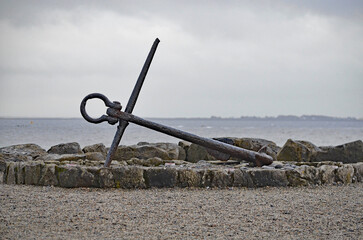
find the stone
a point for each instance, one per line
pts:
(318, 164)
(174, 151)
(327, 174)
(75, 176)
(358, 171)
(297, 151)
(207, 177)
(129, 177)
(2, 166)
(99, 148)
(106, 178)
(346, 153)
(20, 172)
(257, 145)
(242, 179)
(154, 162)
(161, 177)
(141, 152)
(189, 177)
(62, 157)
(268, 177)
(301, 176)
(345, 174)
(11, 173)
(33, 172)
(66, 148)
(95, 156)
(2, 171)
(178, 162)
(196, 153)
(309, 173)
(135, 161)
(221, 179)
(48, 177)
(185, 145)
(21, 152)
(150, 162)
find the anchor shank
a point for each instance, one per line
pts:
(243, 154)
(131, 103)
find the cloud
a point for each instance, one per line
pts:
(215, 58)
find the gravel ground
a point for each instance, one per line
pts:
(325, 212)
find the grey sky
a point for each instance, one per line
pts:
(221, 58)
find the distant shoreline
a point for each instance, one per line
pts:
(243, 118)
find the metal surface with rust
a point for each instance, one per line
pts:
(114, 115)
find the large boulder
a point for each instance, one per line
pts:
(165, 151)
(66, 148)
(347, 153)
(21, 152)
(297, 151)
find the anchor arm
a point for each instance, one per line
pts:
(259, 159)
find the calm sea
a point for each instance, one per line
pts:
(49, 132)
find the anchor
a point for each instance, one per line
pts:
(115, 115)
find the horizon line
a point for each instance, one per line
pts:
(300, 117)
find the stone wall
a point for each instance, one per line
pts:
(167, 165)
(200, 175)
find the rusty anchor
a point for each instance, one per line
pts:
(115, 115)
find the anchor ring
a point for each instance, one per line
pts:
(103, 118)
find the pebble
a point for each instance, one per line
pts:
(322, 212)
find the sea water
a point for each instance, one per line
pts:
(49, 132)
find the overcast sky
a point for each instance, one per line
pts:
(220, 58)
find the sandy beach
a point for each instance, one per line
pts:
(323, 212)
